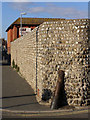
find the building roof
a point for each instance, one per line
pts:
(33, 21)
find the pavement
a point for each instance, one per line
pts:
(17, 94)
(19, 99)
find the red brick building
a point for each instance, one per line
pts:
(13, 31)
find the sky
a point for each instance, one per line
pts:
(10, 11)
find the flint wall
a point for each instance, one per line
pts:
(62, 45)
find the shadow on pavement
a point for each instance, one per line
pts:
(17, 96)
(19, 105)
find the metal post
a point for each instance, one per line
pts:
(21, 24)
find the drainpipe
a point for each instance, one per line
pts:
(57, 99)
(36, 55)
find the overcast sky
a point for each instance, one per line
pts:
(69, 10)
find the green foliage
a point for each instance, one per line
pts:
(17, 69)
(15, 66)
(14, 39)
